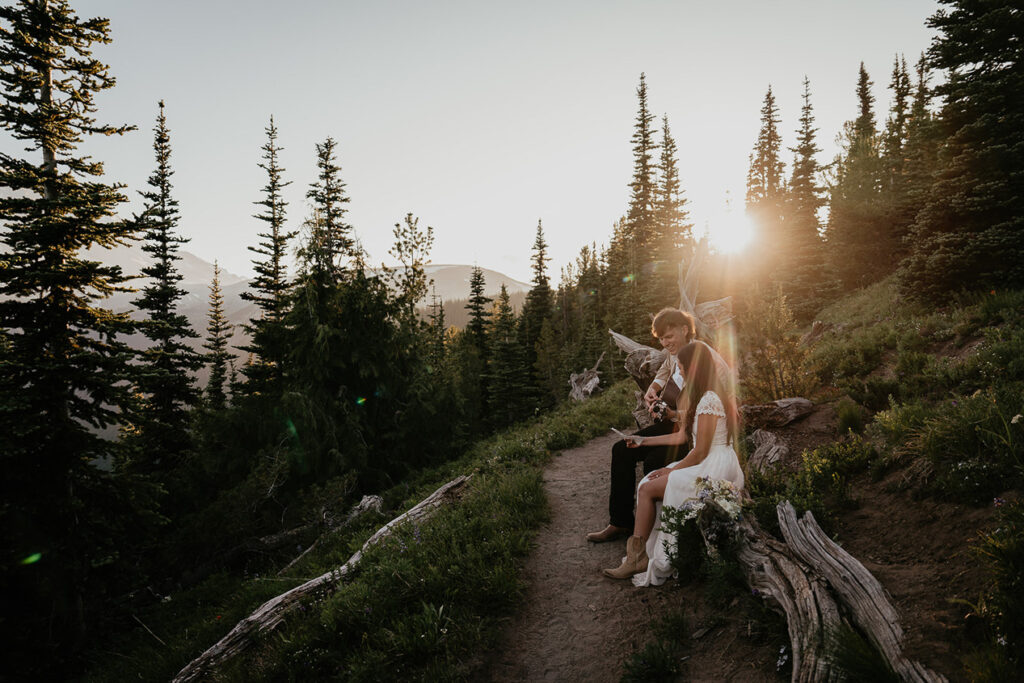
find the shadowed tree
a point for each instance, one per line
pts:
(163, 376)
(766, 185)
(802, 273)
(859, 243)
(218, 332)
(269, 290)
(64, 372)
(970, 230)
(538, 306)
(508, 384)
(673, 232)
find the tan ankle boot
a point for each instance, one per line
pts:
(609, 533)
(635, 562)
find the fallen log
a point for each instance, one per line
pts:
(271, 613)
(856, 587)
(367, 504)
(814, 583)
(777, 413)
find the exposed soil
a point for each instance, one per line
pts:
(576, 624)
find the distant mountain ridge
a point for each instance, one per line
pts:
(451, 283)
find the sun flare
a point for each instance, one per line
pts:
(731, 232)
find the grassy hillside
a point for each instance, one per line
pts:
(422, 605)
(929, 442)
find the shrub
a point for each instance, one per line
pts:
(777, 367)
(820, 484)
(1003, 608)
(851, 417)
(974, 444)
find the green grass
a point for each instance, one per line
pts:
(422, 604)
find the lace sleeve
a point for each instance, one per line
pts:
(710, 404)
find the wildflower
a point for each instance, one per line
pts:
(1015, 419)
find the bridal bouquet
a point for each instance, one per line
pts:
(721, 492)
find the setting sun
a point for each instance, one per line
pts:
(731, 232)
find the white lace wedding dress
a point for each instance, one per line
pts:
(721, 463)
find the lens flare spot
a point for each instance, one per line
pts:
(361, 401)
(291, 428)
(629, 278)
(32, 559)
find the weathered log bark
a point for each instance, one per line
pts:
(583, 384)
(271, 613)
(813, 582)
(777, 413)
(856, 587)
(769, 448)
(772, 570)
(367, 504)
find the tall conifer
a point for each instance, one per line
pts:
(163, 377)
(218, 332)
(859, 236)
(479, 311)
(270, 288)
(538, 304)
(970, 231)
(673, 231)
(766, 184)
(508, 384)
(63, 370)
(640, 217)
(802, 272)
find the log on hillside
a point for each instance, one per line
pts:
(777, 413)
(366, 504)
(583, 384)
(271, 613)
(814, 583)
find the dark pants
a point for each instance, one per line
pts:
(622, 496)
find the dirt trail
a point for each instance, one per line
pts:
(576, 624)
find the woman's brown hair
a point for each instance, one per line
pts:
(697, 363)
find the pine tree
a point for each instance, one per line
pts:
(163, 376)
(859, 240)
(802, 273)
(537, 308)
(218, 332)
(63, 372)
(409, 279)
(269, 290)
(479, 313)
(438, 330)
(328, 199)
(766, 185)
(673, 234)
(920, 153)
(640, 217)
(507, 377)
(970, 231)
(894, 139)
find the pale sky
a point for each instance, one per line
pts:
(478, 117)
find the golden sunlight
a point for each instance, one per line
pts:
(731, 231)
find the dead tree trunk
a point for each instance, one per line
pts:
(271, 613)
(583, 384)
(815, 583)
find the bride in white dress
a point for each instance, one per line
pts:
(711, 457)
